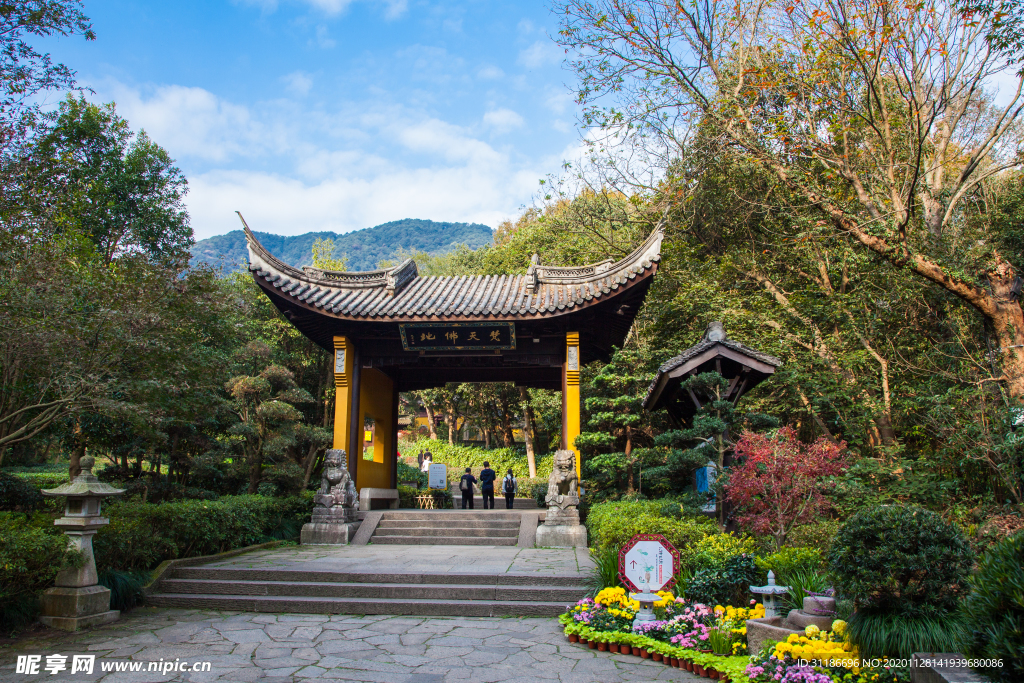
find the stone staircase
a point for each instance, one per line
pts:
(339, 592)
(448, 527)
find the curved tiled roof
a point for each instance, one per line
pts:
(397, 294)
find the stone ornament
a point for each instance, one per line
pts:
(561, 527)
(563, 484)
(336, 500)
(78, 601)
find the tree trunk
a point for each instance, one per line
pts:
(430, 421)
(77, 450)
(629, 461)
(311, 459)
(255, 472)
(528, 434)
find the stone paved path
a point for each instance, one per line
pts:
(417, 559)
(295, 648)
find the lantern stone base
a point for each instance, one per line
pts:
(320, 533)
(72, 609)
(561, 536)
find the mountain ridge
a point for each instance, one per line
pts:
(364, 248)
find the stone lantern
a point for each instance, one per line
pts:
(77, 600)
(768, 593)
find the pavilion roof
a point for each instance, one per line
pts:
(399, 294)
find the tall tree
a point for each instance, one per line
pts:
(873, 113)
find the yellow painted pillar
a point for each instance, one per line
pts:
(571, 399)
(342, 392)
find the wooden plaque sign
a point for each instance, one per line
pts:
(483, 336)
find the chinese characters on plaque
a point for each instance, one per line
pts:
(458, 336)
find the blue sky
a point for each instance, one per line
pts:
(338, 114)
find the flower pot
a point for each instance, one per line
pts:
(675, 662)
(573, 638)
(582, 641)
(712, 674)
(656, 657)
(636, 651)
(592, 645)
(688, 665)
(698, 669)
(644, 654)
(613, 647)
(602, 647)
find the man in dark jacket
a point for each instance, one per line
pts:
(466, 486)
(487, 477)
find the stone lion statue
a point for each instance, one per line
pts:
(336, 486)
(563, 484)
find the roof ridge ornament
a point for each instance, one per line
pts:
(532, 278)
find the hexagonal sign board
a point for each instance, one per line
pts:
(648, 559)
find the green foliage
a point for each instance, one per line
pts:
(141, 535)
(32, 553)
(788, 560)
(995, 609)
(125, 588)
(17, 494)
(612, 524)
(901, 561)
(605, 573)
(724, 583)
(411, 474)
(889, 634)
(459, 457)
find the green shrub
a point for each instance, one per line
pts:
(613, 524)
(995, 608)
(125, 588)
(714, 550)
(407, 473)
(816, 535)
(901, 560)
(879, 634)
(31, 556)
(141, 535)
(726, 583)
(787, 561)
(44, 480)
(407, 496)
(17, 494)
(458, 457)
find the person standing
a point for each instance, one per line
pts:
(466, 486)
(509, 486)
(487, 477)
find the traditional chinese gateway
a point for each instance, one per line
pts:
(392, 330)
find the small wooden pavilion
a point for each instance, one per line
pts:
(391, 330)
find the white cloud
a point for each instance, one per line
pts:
(541, 53)
(298, 82)
(558, 100)
(192, 121)
(503, 120)
(490, 72)
(395, 8)
(323, 39)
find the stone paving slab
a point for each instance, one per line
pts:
(416, 559)
(294, 648)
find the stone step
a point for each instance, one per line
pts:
(471, 531)
(442, 524)
(329, 605)
(415, 591)
(443, 540)
(258, 574)
(499, 502)
(450, 516)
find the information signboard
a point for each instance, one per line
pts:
(437, 476)
(483, 336)
(648, 561)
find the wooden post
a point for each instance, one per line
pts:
(343, 363)
(355, 420)
(393, 457)
(571, 396)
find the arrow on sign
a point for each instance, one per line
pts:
(633, 563)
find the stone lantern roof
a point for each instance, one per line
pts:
(85, 485)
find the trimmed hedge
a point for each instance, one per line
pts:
(995, 609)
(141, 535)
(612, 524)
(458, 458)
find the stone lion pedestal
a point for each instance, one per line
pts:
(561, 527)
(335, 518)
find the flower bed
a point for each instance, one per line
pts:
(712, 642)
(709, 642)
